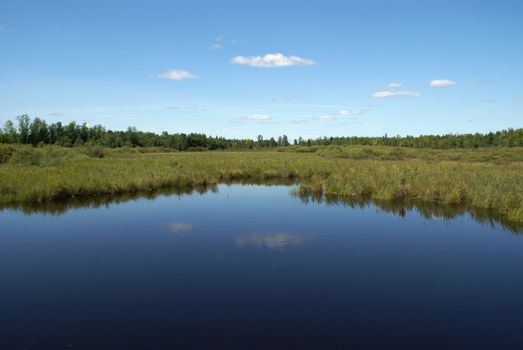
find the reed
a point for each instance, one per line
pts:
(485, 178)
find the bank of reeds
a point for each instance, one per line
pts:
(488, 179)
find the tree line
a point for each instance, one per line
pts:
(25, 130)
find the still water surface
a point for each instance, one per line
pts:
(253, 267)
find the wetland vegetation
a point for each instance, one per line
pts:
(481, 178)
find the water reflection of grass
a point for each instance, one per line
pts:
(401, 207)
(486, 180)
(397, 207)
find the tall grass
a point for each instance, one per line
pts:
(488, 178)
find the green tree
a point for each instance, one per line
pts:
(23, 128)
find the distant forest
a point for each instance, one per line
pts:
(38, 132)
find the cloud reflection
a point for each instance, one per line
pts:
(180, 227)
(273, 241)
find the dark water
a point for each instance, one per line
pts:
(252, 267)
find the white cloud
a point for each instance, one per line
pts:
(258, 117)
(221, 42)
(394, 90)
(253, 118)
(347, 113)
(342, 113)
(272, 60)
(442, 83)
(394, 85)
(217, 44)
(177, 74)
(389, 93)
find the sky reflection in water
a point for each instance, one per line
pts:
(255, 267)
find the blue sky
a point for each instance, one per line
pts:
(239, 68)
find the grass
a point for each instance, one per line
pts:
(487, 179)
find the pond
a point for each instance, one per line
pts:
(255, 267)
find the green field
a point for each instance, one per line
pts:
(478, 179)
